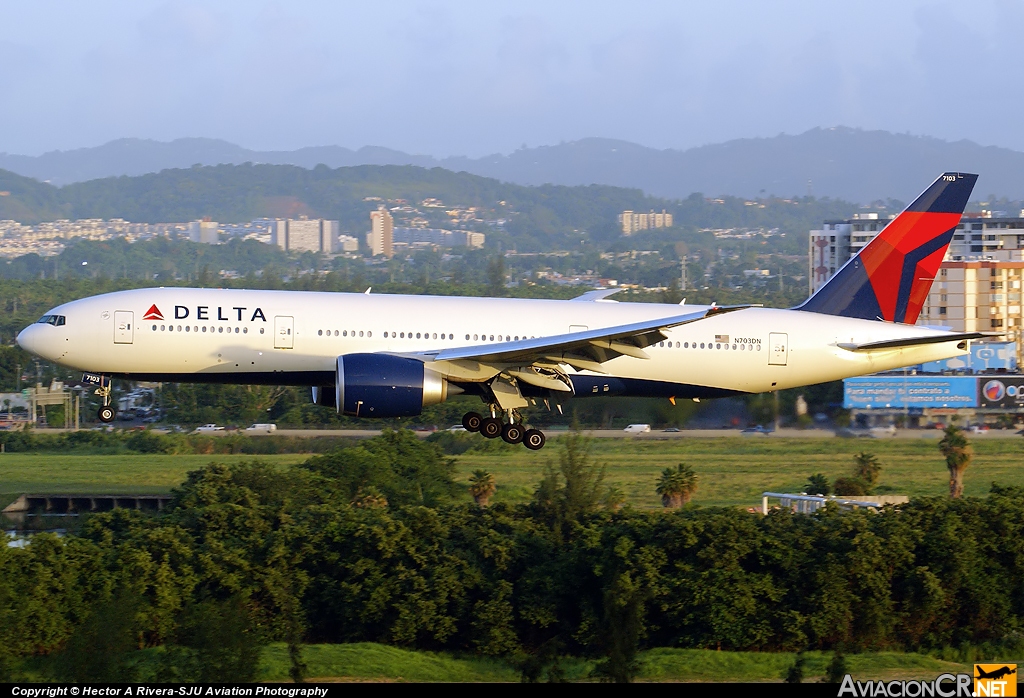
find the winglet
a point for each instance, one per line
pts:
(598, 294)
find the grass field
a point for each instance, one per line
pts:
(117, 474)
(371, 662)
(732, 471)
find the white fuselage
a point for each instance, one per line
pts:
(292, 337)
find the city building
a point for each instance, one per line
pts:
(380, 238)
(347, 243)
(978, 287)
(305, 235)
(632, 221)
(439, 237)
(204, 231)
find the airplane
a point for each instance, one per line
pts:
(387, 356)
(995, 673)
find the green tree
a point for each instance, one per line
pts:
(496, 276)
(676, 487)
(836, 669)
(481, 487)
(215, 642)
(576, 488)
(795, 673)
(957, 451)
(867, 468)
(818, 484)
(849, 487)
(101, 648)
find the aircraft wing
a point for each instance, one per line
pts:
(582, 350)
(914, 341)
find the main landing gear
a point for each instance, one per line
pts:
(513, 431)
(107, 412)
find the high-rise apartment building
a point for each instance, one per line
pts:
(305, 235)
(633, 222)
(380, 237)
(439, 237)
(204, 231)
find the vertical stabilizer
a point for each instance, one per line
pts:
(890, 278)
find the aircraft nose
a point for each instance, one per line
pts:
(30, 340)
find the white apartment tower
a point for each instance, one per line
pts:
(204, 231)
(380, 237)
(305, 235)
(632, 222)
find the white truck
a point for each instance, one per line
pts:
(637, 429)
(261, 428)
(207, 428)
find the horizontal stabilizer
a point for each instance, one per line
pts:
(915, 341)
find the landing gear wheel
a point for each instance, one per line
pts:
(534, 439)
(490, 427)
(512, 433)
(471, 421)
(106, 414)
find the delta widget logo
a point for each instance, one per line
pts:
(154, 314)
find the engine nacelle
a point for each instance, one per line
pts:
(381, 385)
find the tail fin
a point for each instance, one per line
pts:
(889, 279)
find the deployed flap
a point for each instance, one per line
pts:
(914, 341)
(597, 295)
(597, 345)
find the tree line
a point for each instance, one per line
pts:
(371, 543)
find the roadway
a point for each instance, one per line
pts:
(658, 435)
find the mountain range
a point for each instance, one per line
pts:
(839, 162)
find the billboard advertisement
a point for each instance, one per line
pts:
(987, 356)
(898, 392)
(1003, 391)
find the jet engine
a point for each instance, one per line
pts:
(382, 385)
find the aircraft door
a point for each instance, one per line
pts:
(778, 348)
(124, 330)
(284, 332)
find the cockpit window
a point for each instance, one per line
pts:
(56, 320)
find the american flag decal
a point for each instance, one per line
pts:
(723, 338)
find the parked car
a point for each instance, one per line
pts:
(671, 429)
(755, 431)
(457, 429)
(637, 429)
(206, 428)
(261, 428)
(979, 429)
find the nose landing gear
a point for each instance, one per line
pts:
(511, 431)
(107, 412)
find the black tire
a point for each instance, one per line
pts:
(471, 421)
(534, 439)
(513, 433)
(490, 427)
(106, 414)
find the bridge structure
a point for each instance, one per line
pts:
(31, 505)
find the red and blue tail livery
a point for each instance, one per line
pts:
(889, 280)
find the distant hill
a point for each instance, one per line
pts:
(839, 162)
(535, 218)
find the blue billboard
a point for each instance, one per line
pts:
(987, 356)
(880, 392)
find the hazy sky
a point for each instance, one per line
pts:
(451, 78)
